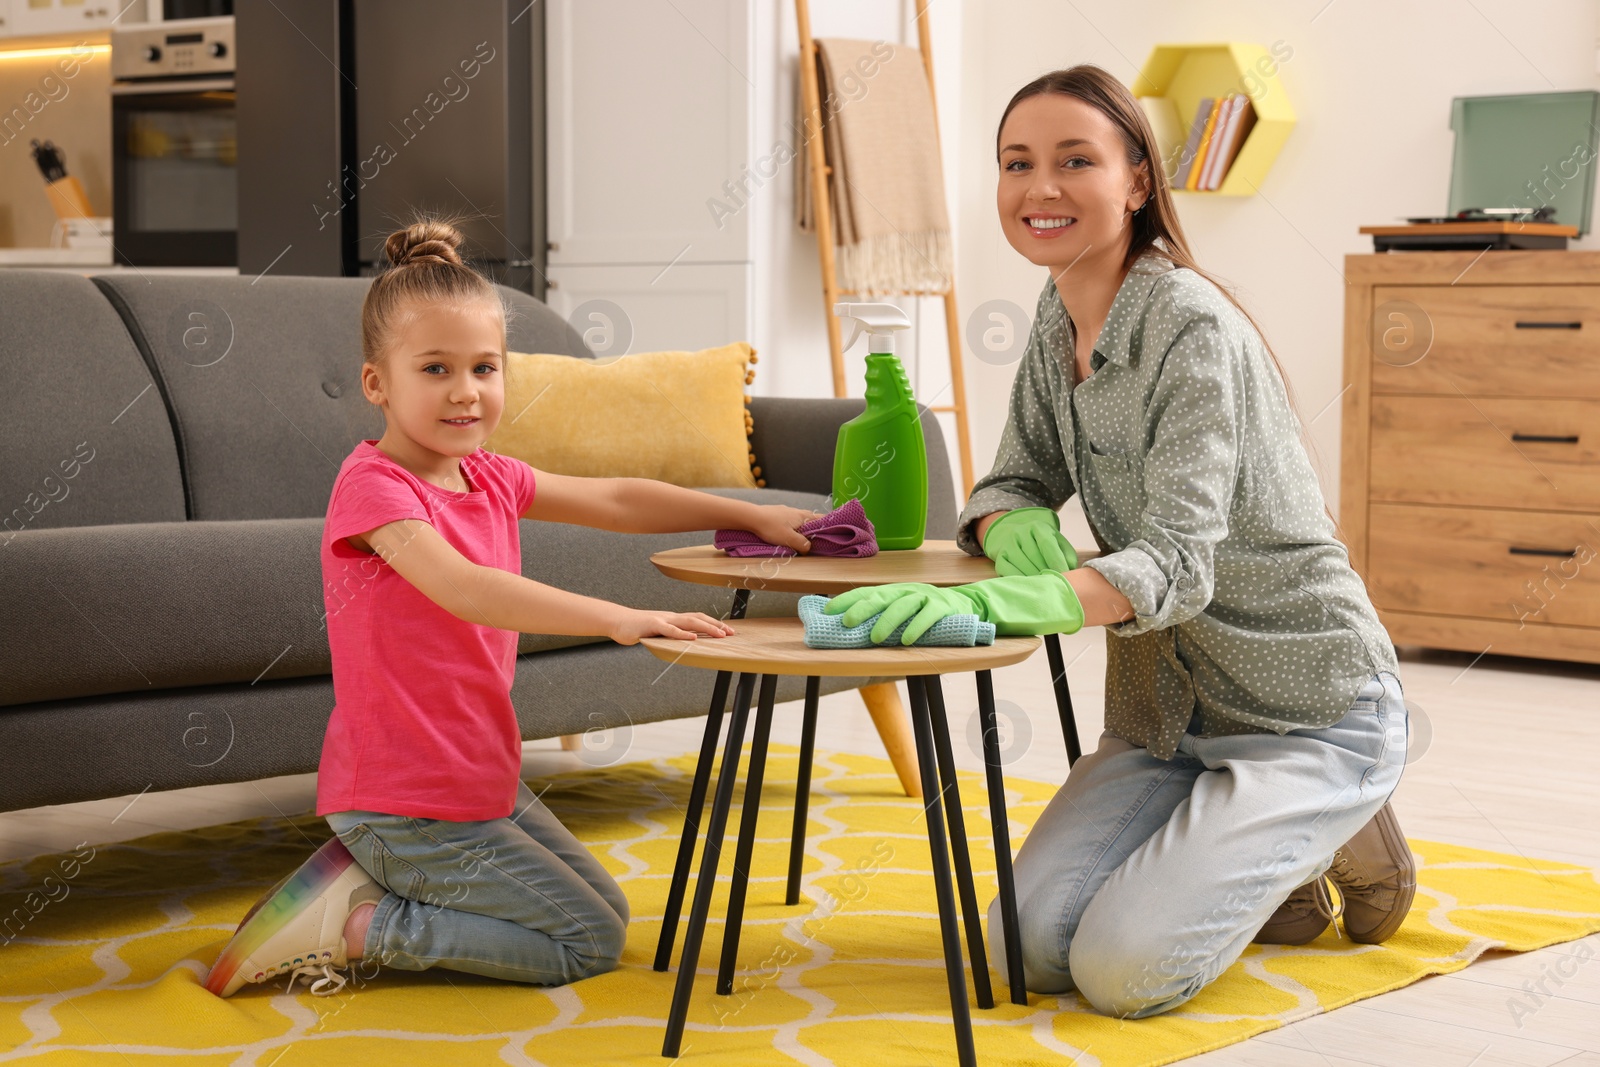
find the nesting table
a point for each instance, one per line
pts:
(764, 649)
(767, 648)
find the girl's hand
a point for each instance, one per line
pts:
(778, 524)
(683, 626)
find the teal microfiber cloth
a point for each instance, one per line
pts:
(829, 631)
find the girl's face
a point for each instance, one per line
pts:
(1065, 187)
(442, 381)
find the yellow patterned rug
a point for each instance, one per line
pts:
(103, 963)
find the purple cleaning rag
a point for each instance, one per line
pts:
(844, 531)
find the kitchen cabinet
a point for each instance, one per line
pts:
(35, 18)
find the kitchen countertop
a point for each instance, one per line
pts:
(88, 261)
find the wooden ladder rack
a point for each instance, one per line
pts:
(822, 216)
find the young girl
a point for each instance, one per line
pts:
(442, 856)
(1255, 725)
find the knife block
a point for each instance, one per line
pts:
(68, 198)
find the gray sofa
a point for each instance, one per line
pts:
(170, 443)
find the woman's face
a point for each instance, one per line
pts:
(1065, 187)
(442, 381)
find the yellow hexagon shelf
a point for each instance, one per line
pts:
(1186, 74)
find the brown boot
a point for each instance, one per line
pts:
(1301, 918)
(1376, 876)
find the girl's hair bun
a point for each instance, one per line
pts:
(426, 269)
(427, 242)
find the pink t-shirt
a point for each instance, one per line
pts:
(422, 723)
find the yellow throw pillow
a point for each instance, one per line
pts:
(679, 417)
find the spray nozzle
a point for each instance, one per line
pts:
(879, 320)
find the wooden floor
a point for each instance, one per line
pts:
(1507, 752)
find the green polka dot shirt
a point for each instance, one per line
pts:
(1207, 512)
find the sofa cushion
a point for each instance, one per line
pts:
(263, 379)
(109, 609)
(87, 439)
(172, 738)
(127, 608)
(678, 417)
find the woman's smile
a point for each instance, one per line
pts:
(1046, 226)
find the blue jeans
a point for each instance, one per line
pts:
(1146, 878)
(516, 898)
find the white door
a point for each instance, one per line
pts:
(649, 129)
(653, 307)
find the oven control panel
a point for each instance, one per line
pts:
(172, 49)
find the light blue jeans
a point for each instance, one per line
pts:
(516, 898)
(1146, 878)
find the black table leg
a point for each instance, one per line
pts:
(802, 792)
(1058, 675)
(751, 810)
(951, 798)
(697, 801)
(1002, 838)
(689, 962)
(954, 973)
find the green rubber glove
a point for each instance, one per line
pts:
(1017, 605)
(1022, 604)
(923, 604)
(1028, 541)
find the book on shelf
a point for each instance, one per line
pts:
(1208, 132)
(1191, 145)
(1236, 125)
(1216, 134)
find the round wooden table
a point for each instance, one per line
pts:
(767, 648)
(938, 563)
(934, 562)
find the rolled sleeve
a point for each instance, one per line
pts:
(1030, 468)
(1168, 572)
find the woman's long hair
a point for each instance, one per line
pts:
(1156, 228)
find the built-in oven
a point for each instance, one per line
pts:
(174, 136)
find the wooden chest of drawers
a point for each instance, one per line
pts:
(1470, 466)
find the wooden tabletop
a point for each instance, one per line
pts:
(938, 563)
(777, 646)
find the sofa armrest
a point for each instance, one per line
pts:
(794, 440)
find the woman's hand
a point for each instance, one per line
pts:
(919, 602)
(1027, 541)
(684, 626)
(777, 524)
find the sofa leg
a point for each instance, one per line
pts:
(571, 742)
(894, 727)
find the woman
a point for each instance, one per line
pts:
(1255, 725)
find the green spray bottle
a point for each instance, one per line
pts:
(880, 458)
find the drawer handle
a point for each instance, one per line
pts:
(1564, 553)
(1549, 325)
(1551, 438)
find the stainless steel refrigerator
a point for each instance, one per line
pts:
(354, 115)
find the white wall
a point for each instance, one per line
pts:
(1371, 84)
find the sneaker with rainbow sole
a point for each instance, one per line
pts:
(299, 929)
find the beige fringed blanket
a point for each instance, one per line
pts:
(891, 228)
